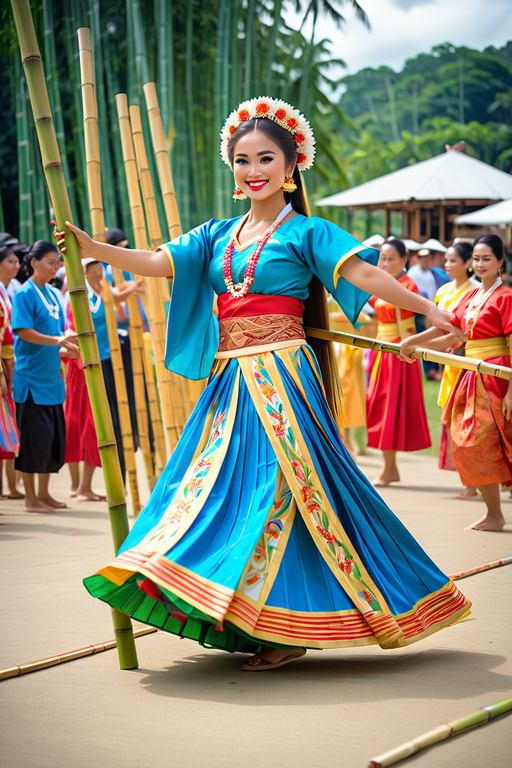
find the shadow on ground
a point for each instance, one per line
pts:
(431, 674)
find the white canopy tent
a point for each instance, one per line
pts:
(430, 194)
(498, 214)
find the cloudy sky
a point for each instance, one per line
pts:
(403, 28)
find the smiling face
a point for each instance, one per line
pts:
(485, 263)
(454, 266)
(259, 166)
(390, 260)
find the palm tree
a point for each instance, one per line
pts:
(315, 8)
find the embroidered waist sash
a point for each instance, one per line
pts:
(483, 349)
(257, 323)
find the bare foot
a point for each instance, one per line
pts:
(38, 507)
(49, 501)
(72, 493)
(467, 493)
(486, 524)
(89, 496)
(384, 480)
(270, 657)
(15, 495)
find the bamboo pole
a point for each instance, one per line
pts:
(456, 361)
(92, 151)
(441, 733)
(139, 231)
(481, 568)
(191, 390)
(79, 653)
(170, 390)
(162, 161)
(32, 64)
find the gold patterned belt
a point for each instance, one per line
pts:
(240, 336)
(483, 349)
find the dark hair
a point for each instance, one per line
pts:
(316, 314)
(5, 251)
(37, 252)
(397, 244)
(113, 236)
(465, 252)
(493, 242)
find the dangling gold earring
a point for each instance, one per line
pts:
(289, 185)
(238, 194)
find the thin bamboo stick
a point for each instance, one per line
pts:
(32, 64)
(79, 653)
(154, 407)
(139, 228)
(441, 733)
(92, 151)
(171, 393)
(456, 361)
(481, 568)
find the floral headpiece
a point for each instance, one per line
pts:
(279, 112)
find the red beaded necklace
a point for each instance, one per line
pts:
(240, 290)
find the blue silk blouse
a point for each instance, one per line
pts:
(301, 247)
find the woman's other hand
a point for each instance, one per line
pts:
(407, 347)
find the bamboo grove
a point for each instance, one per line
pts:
(204, 56)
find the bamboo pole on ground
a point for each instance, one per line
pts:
(481, 568)
(78, 653)
(139, 232)
(191, 389)
(456, 361)
(441, 733)
(32, 64)
(92, 152)
(170, 390)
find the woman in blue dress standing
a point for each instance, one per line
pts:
(262, 535)
(38, 388)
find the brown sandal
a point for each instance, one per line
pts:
(257, 664)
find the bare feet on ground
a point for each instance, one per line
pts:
(38, 507)
(487, 523)
(49, 501)
(467, 493)
(384, 480)
(89, 496)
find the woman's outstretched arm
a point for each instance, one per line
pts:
(377, 282)
(146, 263)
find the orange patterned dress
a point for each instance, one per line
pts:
(481, 436)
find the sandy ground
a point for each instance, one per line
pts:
(190, 707)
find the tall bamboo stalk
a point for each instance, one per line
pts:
(26, 223)
(162, 161)
(32, 64)
(139, 233)
(92, 149)
(170, 391)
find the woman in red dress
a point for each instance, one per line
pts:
(396, 415)
(479, 409)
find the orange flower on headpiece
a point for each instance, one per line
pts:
(279, 112)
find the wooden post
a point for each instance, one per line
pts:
(442, 228)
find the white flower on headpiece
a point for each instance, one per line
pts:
(279, 112)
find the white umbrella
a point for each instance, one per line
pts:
(499, 213)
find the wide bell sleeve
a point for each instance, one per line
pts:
(326, 247)
(192, 329)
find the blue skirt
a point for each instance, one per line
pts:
(262, 530)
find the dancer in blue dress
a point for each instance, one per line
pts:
(262, 535)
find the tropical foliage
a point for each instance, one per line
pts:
(205, 57)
